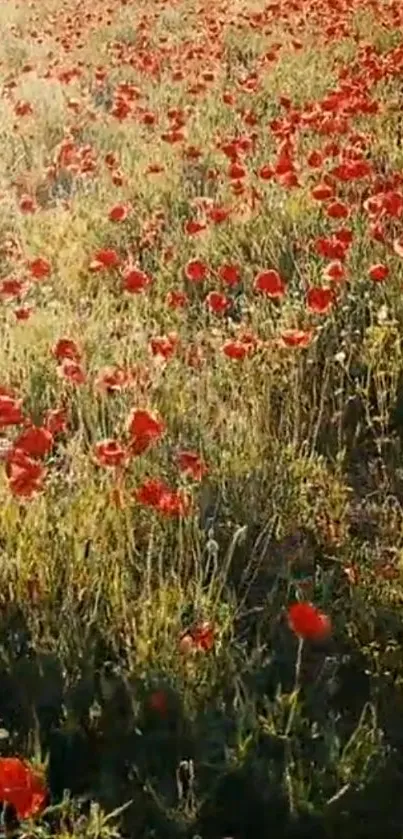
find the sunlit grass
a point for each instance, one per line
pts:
(302, 495)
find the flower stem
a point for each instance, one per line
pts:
(293, 705)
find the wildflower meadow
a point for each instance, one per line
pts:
(201, 419)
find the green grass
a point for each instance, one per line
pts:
(302, 497)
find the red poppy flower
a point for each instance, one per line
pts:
(378, 273)
(25, 476)
(164, 345)
(345, 236)
(155, 169)
(72, 371)
(117, 178)
(190, 463)
(320, 300)
(23, 108)
(196, 271)
(22, 787)
(174, 503)
(135, 281)
(217, 302)
(308, 622)
(236, 349)
(66, 348)
(39, 268)
(337, 210)
(335, 271)
(105, 258)
(35, 441)
(322, 192)
(378, 232)
(352, 170)
(27, 204)
(118, 212)
(194, 227)
(315, 159)
(236, 171)
(270, 283)
(111, 379)
(11, 288)
(331, 248)
(229, 274)
(109, 453)
(218, 214)
(145, 430)
(158, 702)
(150, 492)
(266, 172)
(55, 420)
(296, 337)
(199, 637)
(23, 313)
(203, 636)
(176, 299)
(10, 411)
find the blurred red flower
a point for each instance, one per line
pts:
(196, 271)
(322, 192)
(203, 636)
(39, 268)
(200, 637)
(237, 349)
(145, 429)
(118, 212)
(378, 273)
(337, 210)
(66, 348)
(23, 313)
(194, 227)
(36, 441)
(296, 337)
(229, 274)
(150, 492)
(270, 283)
(174, 503)
(155, 493)
(104, 258)
(25, 475)
(135, 280)
(320, 300)
(55, 420)
(109, 453)
(176, 299)
(27, 204)
(217, 302)
(158, 702)
(22, 787)
(308, 622)
(190, 463)
(335, 271)
(164, 345)
(72, 371)
(112, 379)
(10, 410)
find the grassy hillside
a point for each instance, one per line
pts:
(201, 418)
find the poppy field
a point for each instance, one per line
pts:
(201, 419)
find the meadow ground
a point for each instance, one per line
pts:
(201, 419)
